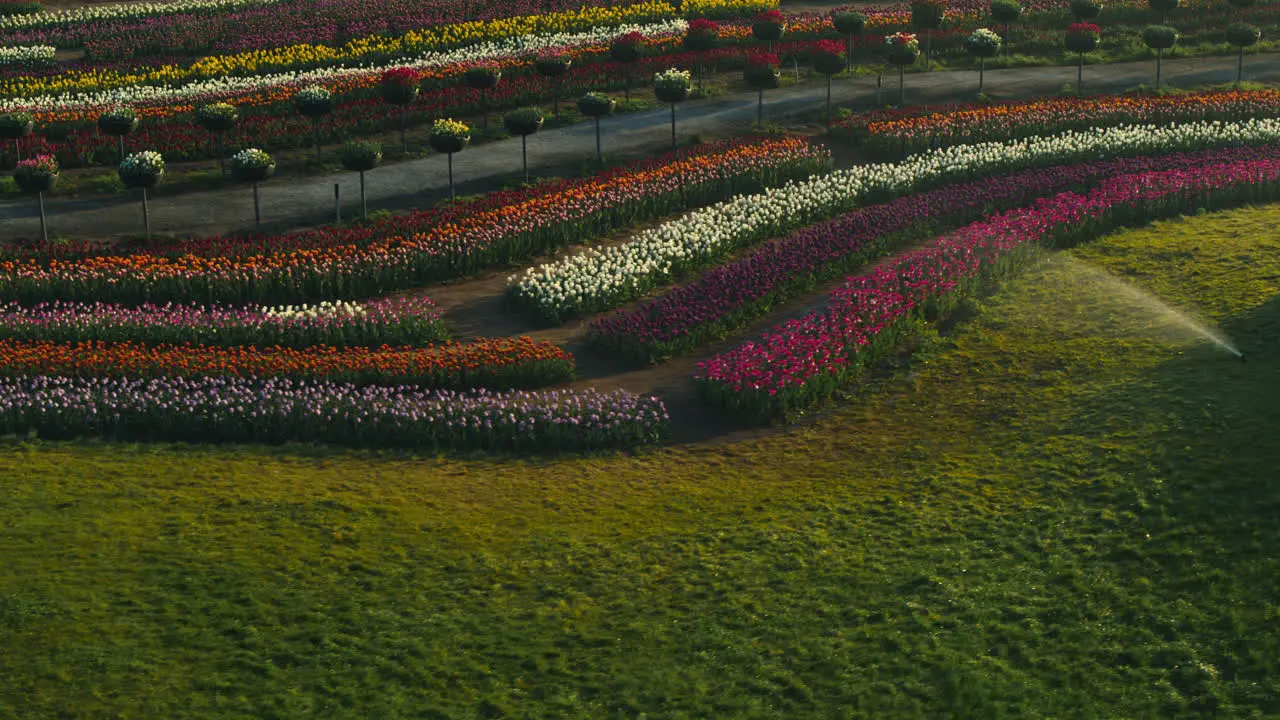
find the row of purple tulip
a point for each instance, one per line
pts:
(803, 362)
(279, 411)
(407, 321)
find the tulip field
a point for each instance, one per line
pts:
(956, 409)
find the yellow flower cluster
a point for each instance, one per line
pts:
(722, 8)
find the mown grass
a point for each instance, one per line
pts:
(1054, 511)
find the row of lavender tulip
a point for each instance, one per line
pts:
(279, 411)
(803, 362)
(728, 296)
(389, 321)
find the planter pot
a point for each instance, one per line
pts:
(763, 78)
(217, 124)
(594, 109)
(482, 79)
(361, 164)
(767, 31)
(522, 128)
(902, 57)
(669, 94)
(314, 108)
(1082, 43)
(447, 143)
(828, 64)
(399, 94)
(117, 126)
(35, 183)
(142, 180)
(16, 131)
(252, 174)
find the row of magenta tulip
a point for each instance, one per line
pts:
(281, 410)
(385, 322)
(372, 262)
(729, 296)
(892, 134)
(504, 363)
(801, 363)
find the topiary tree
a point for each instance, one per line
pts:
(37, 176)
(142, 170)
(1163, 7)
(762, 72)
(484, 76)
(314, 103)
(361, 156)
(1083, 10)
(672, 86)
(1081, 38)
(769, 27)
(118, 121)
(253, 166)
(449, 136)
(1242, 36)
(553, 65)
(902, 50)
(702, 36)
(627, 50)
(400, 87)
(596, 105)
(828, 60)
(217, 119)
(15, 126)
(524, 122)
(1159, 38)
(1006, 12)
(850, 24)
(982, 44)
(927, 15)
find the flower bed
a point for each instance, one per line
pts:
(391, 322)
(369, 262)
(281, 410)
(32, 56)
(802, 362)
(600, 280)
(728, 296)
(493, 364)
(898, 133)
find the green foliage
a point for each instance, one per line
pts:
(847, 22)
(217, 117)
(1159, 37)
(1006, 11)
(1085, 9)
(523, 121)
(15, 125)
(1241, 35)
(360, 155)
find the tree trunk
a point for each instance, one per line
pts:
(257, 208)
(982, 71)
(673, 126)
(364, 204)
(146, 215)
(404, 142)
(599, 153)
(1006, 39)
(222, 161)
(120, 146)
(452, 194)
(524, 156)
(1159, 58)
(759, 107)
(1080, 75)
(315, 131)
(848, 58)
(902, 85)
(626, 83)
(44, 227)
(828, 102)
(1240, 67)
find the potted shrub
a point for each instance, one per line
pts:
(524, 122)
(1006, 12)
(1159, 38)
(596, 105)
(217, 119)
(37, 176)
(982, 44)
(449, 136)
(142, 170)
(15, 126)
(314, 103)
(1242, 36)
(1083, 10)
(553, 65)
(828, 60)
(927, 15)
(118, 121)
(361, 156)
(399, 87)
(850, 24)
(762, 72)
(769, 27)
(626, 50)
(702, 36)
(253, 166)
(484, 76)
(902, 49)
(1082, 38)
(672, 86)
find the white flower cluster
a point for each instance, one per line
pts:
(29, 56)
(147, 162)
(598, 280)
(88, 14)
(324, 310)
(228, 87)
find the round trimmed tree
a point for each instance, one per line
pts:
(702, 36)
(553, 65)
(218, 119)
(769, 27)
(361, 156)
(119, 122)
(828, 60)
(902, 49)
(762, 72)
(1081, 38)
(483, 76)
(314, 103)
(1006, 12)
(850, 24)
(524, 122)
(37, 176)
(672, 86)
(626, 50)
(1242, 36)
(399, 88)
(449, 136)
(928, 15)
(15, 126)
(142, 170)
(253, 166)
(1159, 38)
(1083, 10)
(982, 44)
(596, 105)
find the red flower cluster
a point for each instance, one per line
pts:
(632, 38)
(762, 59)
(402, 76)
(828, 47)
(702, 25)
(771, 16)
(1083, 28)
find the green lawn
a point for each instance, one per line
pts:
(1053, 512)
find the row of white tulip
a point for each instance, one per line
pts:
(28, 56)
(229, 87)
(130, 11)
(594, 281)
(328, 309)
